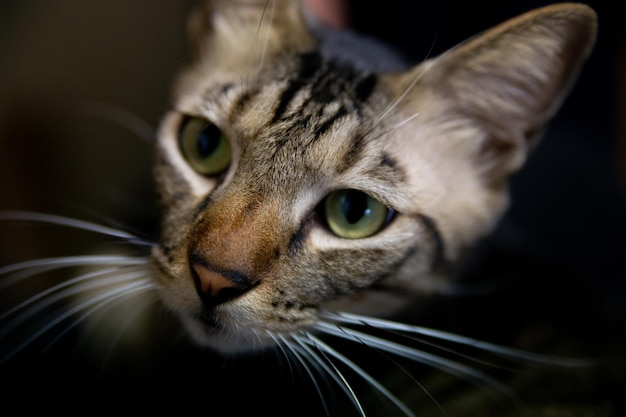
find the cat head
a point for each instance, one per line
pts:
(292, 181)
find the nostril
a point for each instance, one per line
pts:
(218, 287)
(210, 283)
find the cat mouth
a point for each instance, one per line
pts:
(207, 330)
(209, 323)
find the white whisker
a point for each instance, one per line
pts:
(432, 46)
(123, 327)
(438, 346)
(54, 288)
(101, 300)
(37, 266)
(391, 106)
(280, 342)
(366, 377)
(454, 338)
(443, 364)
(112, 297)
(316, 362)
(407, 373)
(299, 357)
(272, 5)
(282, 350)
(61, 295)
(334, 372)
(74, 223)
(394, 103)
(405, 121)
(120, 116)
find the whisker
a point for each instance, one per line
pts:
(57, 287)
(120, 116)
(432, 47)
(36, 266)
(77, 289)
(298, 355)
(394, 103)
(462, 340)
(443, 364)
(282, 350)
(334, 373)
(110, 297)
(439, 347)
(101, 299)
(123, 327)
(267, 37)
(376, 134)
(398, 99)
(323, 347)
(313, 360)
(74, 223)
(405, 121)
(406, 372)
(255, 41)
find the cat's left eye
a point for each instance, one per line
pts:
(204, 146)
(353, 214)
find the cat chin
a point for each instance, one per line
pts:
(225, 341)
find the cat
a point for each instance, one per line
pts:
(326, 181)
(304, 194)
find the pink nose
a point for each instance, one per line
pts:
(216, 288)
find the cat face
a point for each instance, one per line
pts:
(291, 182)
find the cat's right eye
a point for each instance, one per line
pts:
(353, 214)
(204, 146)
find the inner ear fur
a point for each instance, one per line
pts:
(511, 79)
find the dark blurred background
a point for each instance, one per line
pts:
(84, 83)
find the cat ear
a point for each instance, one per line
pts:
(508, 81)
(248, 29)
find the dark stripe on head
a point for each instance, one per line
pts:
(365, 87)
(330, 79)
(352, 155)
(388, 162)
(335, 79)
(326, 124)
(240, 103)
(285, 98)
(310, 64)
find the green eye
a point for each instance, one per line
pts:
(352, 214)
(204, 146)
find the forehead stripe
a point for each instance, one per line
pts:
(326, 124)
(310, 64)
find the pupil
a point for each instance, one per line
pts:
(354, 206)
(208, 141)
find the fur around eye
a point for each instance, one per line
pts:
(353, 214)
(203, 145)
